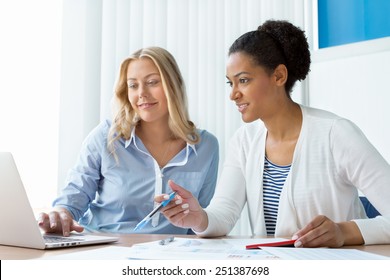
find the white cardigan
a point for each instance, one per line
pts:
(332, 160)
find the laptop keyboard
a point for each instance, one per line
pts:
(57, 239)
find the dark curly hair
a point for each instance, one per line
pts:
(277, 42)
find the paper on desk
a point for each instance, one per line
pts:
(201, 249)
(216, 249)
(321, 254)
(181, 248)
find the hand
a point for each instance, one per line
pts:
(323, 232)
(58, 221)
(184, 210)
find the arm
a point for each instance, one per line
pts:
(80, 189)
(230, 194)
(359, 163)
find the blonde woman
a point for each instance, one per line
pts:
(126, 162)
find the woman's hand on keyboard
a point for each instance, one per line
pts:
(60, 221)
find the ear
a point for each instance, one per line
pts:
(280, 74)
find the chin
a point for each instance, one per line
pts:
(248, 119)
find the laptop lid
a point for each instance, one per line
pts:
(18, 224)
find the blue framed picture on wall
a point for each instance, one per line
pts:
(349, 21)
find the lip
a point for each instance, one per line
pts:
(144, 106)
(241, 107)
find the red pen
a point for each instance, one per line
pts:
(286, 243)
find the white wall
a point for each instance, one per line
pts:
(353, 81)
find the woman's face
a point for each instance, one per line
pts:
(251, 87)
(145, 90)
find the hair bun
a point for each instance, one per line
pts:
(294, 44)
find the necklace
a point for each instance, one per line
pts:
(162, 162)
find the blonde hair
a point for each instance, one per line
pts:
(124, 116)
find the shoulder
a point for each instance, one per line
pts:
(318, 114)
(318, 119)
(100, 132)
(250, 131)
(325, 122)
(207, 138)
(104, 125)
(247, 136)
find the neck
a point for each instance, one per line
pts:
(286, 123)
(156, 133)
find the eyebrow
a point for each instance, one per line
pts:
(238, 74)
(147, 76)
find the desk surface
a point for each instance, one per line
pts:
(127, 240)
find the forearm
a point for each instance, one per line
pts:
(375, 231)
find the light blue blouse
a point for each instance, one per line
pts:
(107, 196)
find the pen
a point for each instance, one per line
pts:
(154, 211)
(166, 240)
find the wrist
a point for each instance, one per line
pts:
(351, 233)
(203, 222)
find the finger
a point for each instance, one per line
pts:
(66, 222)
(173, 211)
(76, 226)
(160, 198)
(43, 221)
(179, 190)
(327, 234)
(313, 234)
(41, 218)
(178, 218)
(314, 238)
(171, 205)
(53, 217)
(310, 226)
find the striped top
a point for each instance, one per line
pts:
(274, 177)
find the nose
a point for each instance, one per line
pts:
(142, 91)
(234, 94)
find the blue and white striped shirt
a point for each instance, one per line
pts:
(274, 177)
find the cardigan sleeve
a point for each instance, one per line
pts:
(361, 164)
(229, 198)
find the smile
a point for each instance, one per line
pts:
(146, 105)
(242, 107)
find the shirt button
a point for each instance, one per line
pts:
(161, 175)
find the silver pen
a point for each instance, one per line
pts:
(166, 240)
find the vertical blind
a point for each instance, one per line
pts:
(99, 35)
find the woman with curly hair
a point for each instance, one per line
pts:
(126, 162)
(299, 169)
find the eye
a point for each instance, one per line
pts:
(243, 80)
(132, 85)
(152, 82)
(229, 83)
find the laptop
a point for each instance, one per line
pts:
(18, 226)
